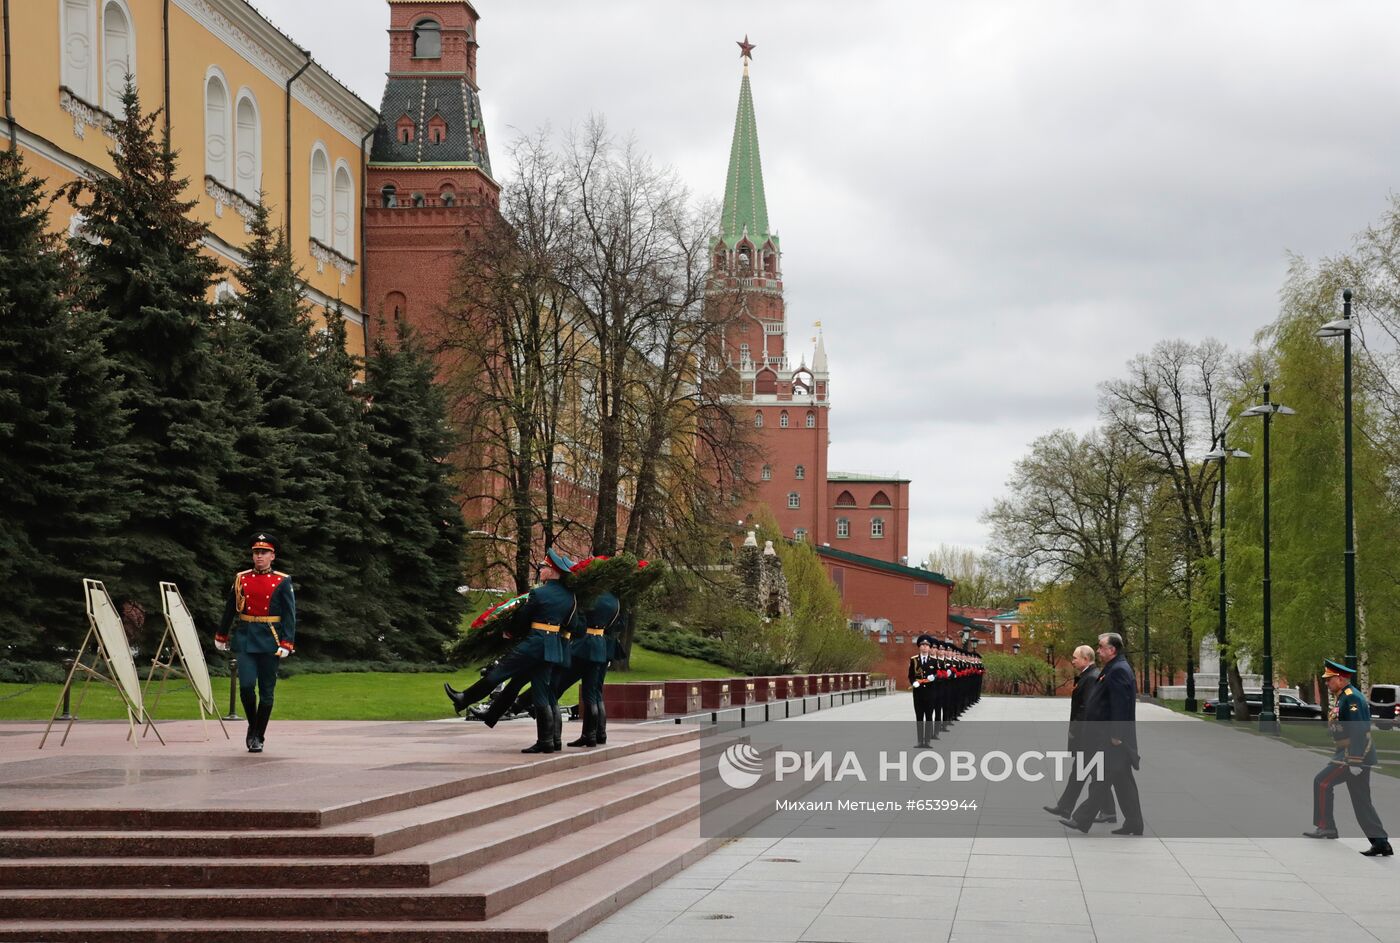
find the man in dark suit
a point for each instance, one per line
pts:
(1088, 675)
(1111, 722)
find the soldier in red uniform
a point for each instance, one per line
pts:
(263, 613)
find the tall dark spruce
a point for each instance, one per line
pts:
(63, 492)
(143, 271)
(422, 530)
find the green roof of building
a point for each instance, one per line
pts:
(858, 476)
(927, 576)
(963, 620)
(745, 206)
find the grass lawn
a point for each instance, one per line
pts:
(361, 696)
(1312, 735)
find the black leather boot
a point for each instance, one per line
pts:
(544, 735)
(588, 739)
(260, 735)
(923, 740)
(557, 726)
(600, 723)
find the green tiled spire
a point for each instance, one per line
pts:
(745, 208)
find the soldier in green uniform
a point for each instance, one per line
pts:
(550, 608)
(265, 609)
(1349, 723)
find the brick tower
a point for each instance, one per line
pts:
(787, 401)
(428, 183)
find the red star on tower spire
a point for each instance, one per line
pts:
(746, 48)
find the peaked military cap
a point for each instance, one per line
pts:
(559, 560)
(924, 640)
(264, 541)
(1335, 669)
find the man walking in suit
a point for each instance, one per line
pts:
(1111, 719)
(1088, 675)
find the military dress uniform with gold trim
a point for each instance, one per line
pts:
(922, 670)
(1349, 723)
(262, 612)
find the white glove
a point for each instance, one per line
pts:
(283, 652)
(221, 646)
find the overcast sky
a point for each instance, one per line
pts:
(990, 206)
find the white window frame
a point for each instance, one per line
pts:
(767, 472)
(86, 33)
(758, 419)
(800, 472)
(250, 186)
(811, 419)
(344, 236)
(222, 135)
(794, 500)
(320, 195)
(800, 535)
(877, 527)
(112, 95)
(783, 420)
(843, 528)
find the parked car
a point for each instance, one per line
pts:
(1285, 705)
(1383, 699)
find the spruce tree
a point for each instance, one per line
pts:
(62, 493)
(422, 528)
(144, 270)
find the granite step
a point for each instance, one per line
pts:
(568, 908)
(273, 813)
(376, 835)
(422, 865)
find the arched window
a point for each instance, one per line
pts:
(248, 163)
(811, 419)
(794, 499)
(404, 129)
(118, 53)
(427, 40)
(843, 528)
(881, 500)
(79, 47)
(743, 353)
(437, 129)
(767, 472)
(758, 419)
(877, 527)
(395, 305)
(344, 220)
(320, 194)
(418, 200)
(745, 259)
(770, 264)
(800, 472)
(389, 196)
(845, 500)
(800, 535)
(448, 198)
(216, 128)
(783, 419)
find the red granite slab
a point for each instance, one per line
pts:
(714, 693)
(682, 697)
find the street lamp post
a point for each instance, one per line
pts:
(1268, 719)
(1342, 328)
(1223, 707)
(1190, 642)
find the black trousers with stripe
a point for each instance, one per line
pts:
(1358, 782)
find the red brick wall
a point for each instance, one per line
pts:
(458, 22)
(876, 594)
(893, 547)
(784, 450)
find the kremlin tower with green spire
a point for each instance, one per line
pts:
(787, 401)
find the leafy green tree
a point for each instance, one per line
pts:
(63, 500)
(144, 273)
(423, 536)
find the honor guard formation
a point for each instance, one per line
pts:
(946, 680)
(564, 631)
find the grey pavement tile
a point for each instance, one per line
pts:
(617, 933)
(710, 926)
(764, 902)
(1261, 926)
(1383, 927)
(1151, 929)
(921, 866)
(796, 871)
(1025, 901)
(1057, 846)
(937, 902)
(674, 899)
(898, 883)
(832, 928)
(1022, 866)
(1275, 894)
(1003, 931)
(1118, 900)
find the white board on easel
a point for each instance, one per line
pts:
(112, 663)
(183, 658)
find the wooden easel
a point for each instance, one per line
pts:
(184, 658)
(111, 664)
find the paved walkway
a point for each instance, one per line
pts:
(1063, 888)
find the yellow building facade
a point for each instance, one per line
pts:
(250, 113)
